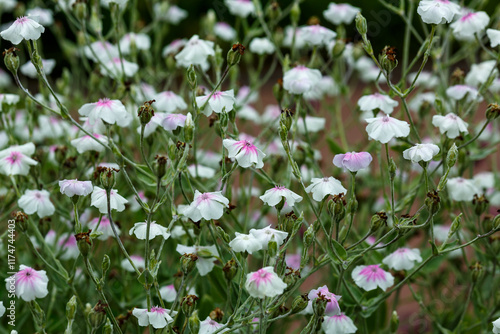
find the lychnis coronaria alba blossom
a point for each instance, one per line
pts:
(195, 52)
(241, 8)
(340, 13)
(322, 187)
(168, 293)
(421, 152)
(71, 188)
(317, 35)
(16, 160)
(140, 231)
(2, 309)
(117, 67)
(377, 101)
(385, 128)
(332, 307)
(245, 243)
(450, 124)
(300, 79)
(23, 28)
(372, 276)
(103, 226)
(266, 234)
(139, 41)
(109, 111)
(273, 196)
(353, 161)
(99, 200)
(470, 24)
(204, 263)
(261, 46)
(245, 153)
(494, 36)
(217, 102)
(158, 317)
(224, 31)
(496, 326)
(403, 259)
(338, 324)
(208, 206)
(437, 11)
(209, 326)
(37, 201)
(170, 122)
(136, 259)
(461, 189)
(458, 92)
(87, 143)
(264, 283)
(29, 283)
(168, 101)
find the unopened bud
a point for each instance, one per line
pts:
(189, 128)
(432, 201)
(477, 271)
(188, 261)
(295, 13)
(455, 226)
(194, 322)
(392, 169)
(105, 264)
(107, 177)
(80, 9)
(480, 204)
(496, 222)
(451, 158)
(161, 165)
(361, 24)
(394, 321)
(38, 314)
(273, 11)
(278, 91)
(191, 77)
(11, 60)
(300, 303)
(378, 220)
(146, 112)
(108, 327)
(234, 54)
(493, 111)
(84, 242)
(188, 304)
(309, 236)
(272, 248)
(71, 309)
(230, 269)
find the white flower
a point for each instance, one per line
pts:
(23, 28)
(299, 40)
(10, 99)
(461, 189)
(377, 101)
(326, 86)
(264, 283)
(458, 92)
(218, 102)
(450, 124)
(370, 277)
(322, 187)
(140, 41)
(37, 201)
(209, 326)
(266, 234)
(99, 200)
(110, 111)
(201, 171)
(2, 309)
(261, 46)
(158, 317)
(170, 122)
(208, 206)
(338, 324)
(15, 160)
(195, 52)
(403, 259)
(168, 293)
(246, 153)
(175, 46)
(241, 8)
(312, 124)
(273, 196)
(140, 230)
(104, 227)
(68, 245)
(71, 188)
(29, 70)
(28, 283)
(425, 79)
(245, 243)
(101, 51)
(479, 73)
(87, 143)
(169, 102)
(41, 15)
(484, 180)
(8, 5)
(224, 31)
(204, 263)
(421, 152)
(496, 326)
(470, 24)
(385, 128)
(300, 79)
(437, 11)
(116, 68)
(494, 36)
(340, 13)
(136, 259)
(317, 35)
(173, 14)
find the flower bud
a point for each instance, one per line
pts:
(273, 11)
(84, 242)
(378, 220)
(21, 220)
(230, 269)
(388, 59)
(161, 165)
(11, 60)
(493, 111)
(295, 13)
(394, 322)
(455, 226)
(432, 202)
(392, 169)
(272, 248)
(71, 309)
(97, 315)
(286, 119)
(234, 54)
(309, 236)
(480, 204)
(319, 305)
(188, 261)
(108, 327)
(338, 49)
(107, 177)
(300, 303)
(188, 304)
(80, 9)
(105, 264)
(194, 322)
(146, 112)
(189, 128)
(95, 21)
(477, 271)
(361, 24)
(451, 158)
(496, 222)
(291, 277)
(38, 314)
(191, 77)
(216, 314)
(278, 91)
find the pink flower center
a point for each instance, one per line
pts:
(279, 188)
(217, 95)
(467, 17)
(386, 119)
(158, 310)
(373, 273)
(14, 158)
(22, 20)
(26, 275)
(261, 276)
(205, 197)
(105, 102)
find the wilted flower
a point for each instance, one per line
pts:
(264, 283)
(372, 276)
(403, 258)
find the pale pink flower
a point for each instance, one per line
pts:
(23, 28)
(169, 102)
(450, 124)
(317, 35)
(204, 264)
(372, 276)
(261, 46)
(99, 200)
(403, 259)
(293, 260)
(195, 52)
(218, 102)
(470, 24)
(37, 201)
(168, 293)
(42, 15)
(68, 247)
(175, 46)
(266, 234)
(224, 31)
(170, 122)
(421, 152)
(340, 13)
(104, 227)
(353, 161)
(140, 230)
(208, 206)
(245, 243)
(29, 70)
(461, 189)
(437, 11)
(385, 128)
(158, 317)
(332, 307)
(172, 14)
(241, 8)
(264, 283)
(246, 153)
(300, 79)
(141, 42)
(322, 187)
(209, 326)
(101, 51)
(377, 101)
(338, 324)
(71, 188)
(87, 143)
(116, 67)
(29, 283)
(458, 92)
(16, 160)
(136, 259)
(110, 111)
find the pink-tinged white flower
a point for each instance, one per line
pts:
(110, 111)
(264, 283)
(261, 46)
(484, 180)
(340, 13)
(494, 36)
(322, 187)
(317, 35)
(23, 28)
(437, 11)
(332, 307)
(71, 188)
(29, 283)
(99, 200)
(10, 99)
(288, 40)
(266, 234)
(245, 153)
(450, 124)
(208, 206)
(372, 276)
(54, 127)
(496, 326)
(458, 92)
(136, 259)
(421, 152)
(205, 264)
(151, 127)
(461, 189)
(326, 86)
(273, 196)
(218, 101)
(377, 101)
(368, 70)
(201, 171)
(16, 160)
(271, 114)
(195, 52)
(425, 79)
(300, 79)
(169, 102)
(41, 15)
(353, 161)
(421, 100)
(247, 112)
(209, 326)
(140, 42)
(246, 95)
(168, 293)
(385, 128)
(224, 31)
(37, 201)
(29, 70)
(403, 258)
(158, 317)
(245, 243)
(338, 324)
(101, 51)
(175, 46)
(68, 247)
(87, 143)
(104, 226)
(311, 124)
(169, 13)
(170, 122)
(209, 158)
(471, 23)
(480, 73)
(140, 230)
(241, 8)
(116, 68)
